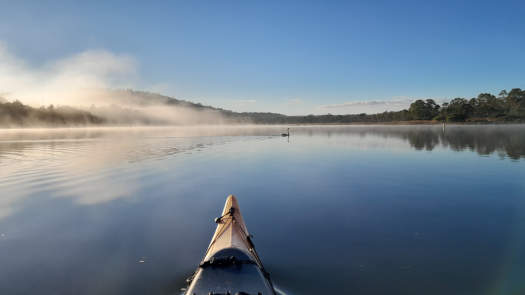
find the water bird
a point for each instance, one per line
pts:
(230, 265)
(286, 134)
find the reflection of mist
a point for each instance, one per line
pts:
(90, 166)
(163, 205)
(71, 161)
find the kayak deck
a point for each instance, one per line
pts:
(231, 264)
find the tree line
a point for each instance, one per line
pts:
(486, 107)
(505, 107)
(16, 114)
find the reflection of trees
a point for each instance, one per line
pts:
(422, 139)
(485, 140)
(506, 140)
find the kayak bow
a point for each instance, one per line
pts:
(231, 264)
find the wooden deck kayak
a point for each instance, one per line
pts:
(231, 264)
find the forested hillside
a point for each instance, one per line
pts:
(16, 114)
(505, 107)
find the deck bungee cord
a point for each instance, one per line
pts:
(231, 264)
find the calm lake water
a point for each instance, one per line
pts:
(333, 210)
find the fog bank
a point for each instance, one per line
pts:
(94, 81)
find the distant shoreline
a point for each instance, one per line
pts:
(401, 123)
(419, 122)
(136, 108)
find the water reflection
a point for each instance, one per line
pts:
(67, 161)
(71, 158)
(485, 140)
(337, 209)
(505, 140)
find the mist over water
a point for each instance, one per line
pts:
(91, 81)
(334, 209)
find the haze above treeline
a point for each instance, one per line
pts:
(129, 107)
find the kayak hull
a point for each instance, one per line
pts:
(230, 265)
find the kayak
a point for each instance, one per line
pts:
(231, 264)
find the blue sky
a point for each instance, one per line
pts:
(285, 56)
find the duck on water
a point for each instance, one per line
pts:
(231, 266)
(287, 134)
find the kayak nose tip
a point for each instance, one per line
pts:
(231, 198)
(231, 202)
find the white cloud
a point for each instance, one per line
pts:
(365, 103)
(69, 80)
(369, 106)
